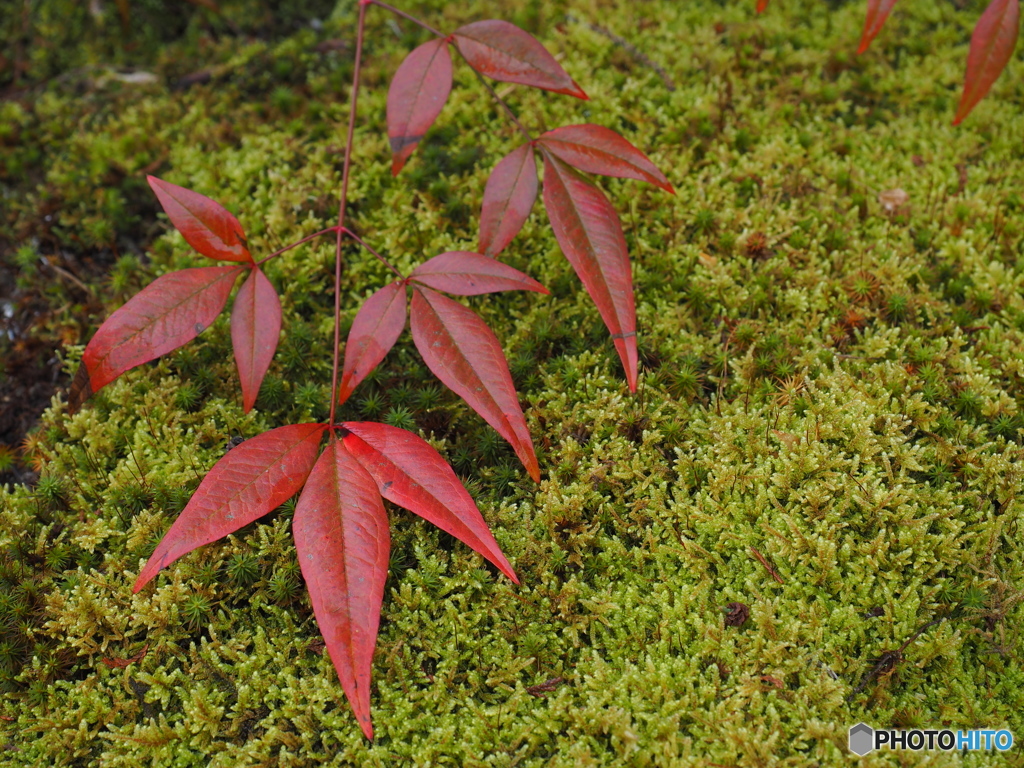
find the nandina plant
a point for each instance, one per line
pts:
(992, 44)
(340, 525)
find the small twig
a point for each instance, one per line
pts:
(768, 566)
(889, 659)
(296, 244)
(635, 52)
(408, 17)
(67, 275)
(380, 258)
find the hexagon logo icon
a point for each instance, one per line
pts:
(862, 739)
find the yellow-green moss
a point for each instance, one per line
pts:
(826, 384)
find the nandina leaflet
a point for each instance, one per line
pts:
(595, 149)
(464, 273)
(992, 44)
(465, 355)
(206, 225)
(409, 472)
(503, 51)
(255, 329)
(167, 313)
(418, 92)
(342, 542)
(878, 12)
(251, 479)
(590, 235)
(508, 197)
(375, 329)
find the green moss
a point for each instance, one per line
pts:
(844, 398)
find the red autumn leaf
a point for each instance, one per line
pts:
(253, 478)
(375, 329)
(992, 46)
(503, 51)
(589, 233)
(255, 329)
(465, 355)
(464, 273)
(878, 12)
(416, 96)
(342, 541)
(167, 313)
(595, 149)
(508, 197)
(761, 5)
(409, 472)
(204, 223)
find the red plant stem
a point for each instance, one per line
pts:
(341, 205)
(408, 17)
(380, 258)
(296, 244)
(503, 103)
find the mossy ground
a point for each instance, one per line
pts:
(835, 386)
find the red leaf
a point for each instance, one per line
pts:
(465, 273)
(342, 540)
(761, 5)
(167, 313)
(416, 96)
(253, 478)
(878, 12)
(503, 51)
(255, 329)
(508, 197)
(595, 149)
(375, 329)
(205, 224)
(410, 473)
(465, 355)
(590, 235)
(992, 46)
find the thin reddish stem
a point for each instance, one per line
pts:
(296, 244)
(380, 258)
(502, 102)
(354, 97)
(408, 17)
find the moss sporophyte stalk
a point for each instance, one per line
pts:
(843, 398)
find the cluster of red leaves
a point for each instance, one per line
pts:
(340, 525)
(585, 223)
(992, 44)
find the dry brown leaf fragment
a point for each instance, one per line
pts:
(893, 200)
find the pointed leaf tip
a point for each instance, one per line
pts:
(205, 224)
(465, 355)
(166, 314)
(589, 233)
(600, 150)
(509, 196)
(502, 51)
(411, 473)
(251, 480)
(255, 330)
(375, 329)
(992, 44)
(416, 97)
(878, 12)
(343, 543)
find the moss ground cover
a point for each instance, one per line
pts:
(827, 431)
